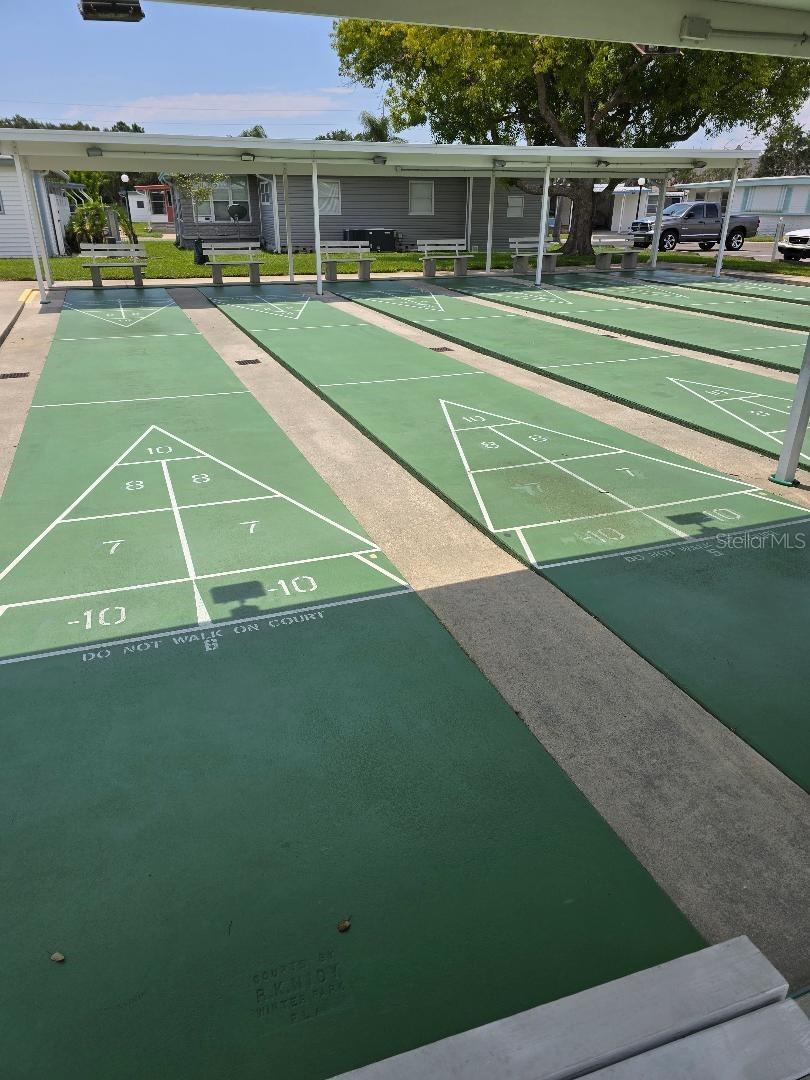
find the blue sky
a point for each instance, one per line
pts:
(183, 69)
(193, 70)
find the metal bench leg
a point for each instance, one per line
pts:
(364, 270)
(95, 277)
(216, 273)
(429, 269)
(137, 273)
(255, 274)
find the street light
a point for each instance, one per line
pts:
(641, 182)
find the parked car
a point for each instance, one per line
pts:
(694, 221)
(795, 245)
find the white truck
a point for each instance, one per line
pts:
(694, 222)
(795, 245)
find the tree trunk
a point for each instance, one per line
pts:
(579, 236)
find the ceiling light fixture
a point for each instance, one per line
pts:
(111, 10)
(94, 151)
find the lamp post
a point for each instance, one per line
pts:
(124, 195)
(641, 182)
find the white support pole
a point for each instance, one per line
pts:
(29, 226)
(490, 221)
(39, 228)
(659, 217)
(288, 227)
(797, 426)
(718, 266)
(468, 219)
(779, 232)
(541, 237)
(276, 225)
(316, 215)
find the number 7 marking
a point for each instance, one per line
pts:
(252, 526)
(113, 544)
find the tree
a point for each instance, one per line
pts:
(787, 151)
(198, 187)
(122, 125)
(474, 86)
(18, 121)
(338, 135)
(374, 129)
(255, 132)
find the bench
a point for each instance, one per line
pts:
(336, 251)
(431, 250)
(604, 259)
(525, 246)
(114, 256)
(220, 254)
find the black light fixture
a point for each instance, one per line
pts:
(379, 159)
(111, 10)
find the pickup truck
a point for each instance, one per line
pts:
(699, 222)
(795, 245)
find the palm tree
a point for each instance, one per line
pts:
(376, 129)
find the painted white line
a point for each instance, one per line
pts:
(380, 569)
(294, 562)
(128, 401)
(644, 548)
(228, 502)
(98, 592)
(168, 509)
(278, 613)
(467, 469)
(266, 487)
(324, 326)
(202, 613)
(128, 337)
(550, 461)
(122, 513)
(412, 378)
(30, 547)
(157, 461)
(631, 510)
(526, 549)
(598, 363)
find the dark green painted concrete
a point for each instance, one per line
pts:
(730, 305)
(751, 410)
(764, 345)
(718, 622)
(189, 816)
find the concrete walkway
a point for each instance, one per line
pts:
(13, 295)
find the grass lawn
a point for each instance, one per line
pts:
(167, 261)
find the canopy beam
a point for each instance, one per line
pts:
(490, 221)
(541, 236)
(797, 426)
(659, 218)
(288, 226)
(29, 228)
(718, 265)
(316, 215)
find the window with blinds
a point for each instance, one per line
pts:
(420, 197)
(514, 205)
(329, 198)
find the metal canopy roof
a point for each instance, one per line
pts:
(775, 27)
(120, 152)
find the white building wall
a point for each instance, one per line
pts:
(13, 233)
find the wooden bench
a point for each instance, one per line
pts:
(221, 254)
(114, 256)
(431, 250)
(525, 246)
(337, 251)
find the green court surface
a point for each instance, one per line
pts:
(765, 345)
(749, 286)
(731, 305)
(706, 577)
(748, 409)
(229, 726)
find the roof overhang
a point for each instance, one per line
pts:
(125, 152)
(773, 27)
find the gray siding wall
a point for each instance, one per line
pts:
(13, 233)
(374, 203)
(503, 227)
(267, 223)
(188, 229)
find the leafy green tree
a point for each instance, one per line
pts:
(255, 132)
(376, 129)
(18, 121)
(338, 135)
(122, 125)
(198, 187)
(475, 86)
(787, 151)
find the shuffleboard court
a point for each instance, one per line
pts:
(228, 728)
(751, 410)
(730, 305)
(766, 345)
(705, 576)
(745, 286)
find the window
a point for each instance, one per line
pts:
(140, 204)
(158, 201)
(232, 190)
(514, 205)
(266, 192)
(747, 196)
(329, 198)
(711, 211)
(420, 197)
(784, 199)
(700, 196)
